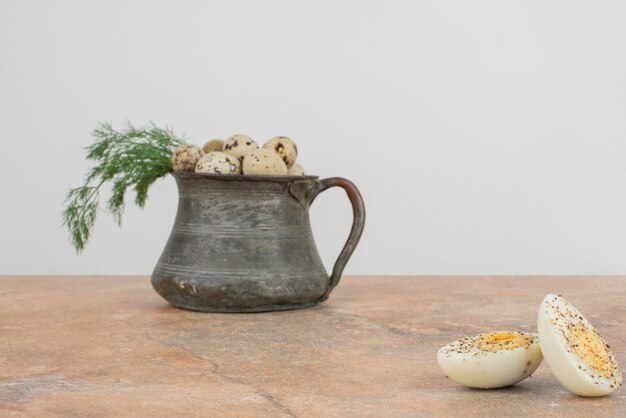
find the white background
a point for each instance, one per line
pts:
(486, 137)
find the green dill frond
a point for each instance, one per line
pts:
(132, 158)
(80, 214)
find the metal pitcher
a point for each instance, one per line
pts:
(244, 244)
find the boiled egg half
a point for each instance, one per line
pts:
(491, 360)
(576, 354)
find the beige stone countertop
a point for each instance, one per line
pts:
(110, 346)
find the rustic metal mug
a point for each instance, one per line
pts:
(244, 244)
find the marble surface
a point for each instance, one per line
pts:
(110, 346)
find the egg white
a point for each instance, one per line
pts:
(465, 362)
(560, 325)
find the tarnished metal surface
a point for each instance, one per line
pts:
(244, 244)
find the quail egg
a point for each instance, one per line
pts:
(218, 162)
(296, 170)
(213, 145)
(239, 145)
(185, 157)
(263, 162)
(576, 354)
(284, 147)
(491, 360)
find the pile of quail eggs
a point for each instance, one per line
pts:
(239, 154)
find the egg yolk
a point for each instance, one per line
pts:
(496, 341)
(590, 349)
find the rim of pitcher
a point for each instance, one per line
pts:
(241, 177)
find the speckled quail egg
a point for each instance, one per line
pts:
(576, 354)
(284, 147)
(264, 162)
(218, 162)
(213, 145)
(185, 158)
(296, 170)
(239, 145)
(491, 360)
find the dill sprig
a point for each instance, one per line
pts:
(132, 158)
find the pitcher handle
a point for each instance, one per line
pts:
(358, 222)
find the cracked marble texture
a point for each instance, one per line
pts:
(110, 346)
